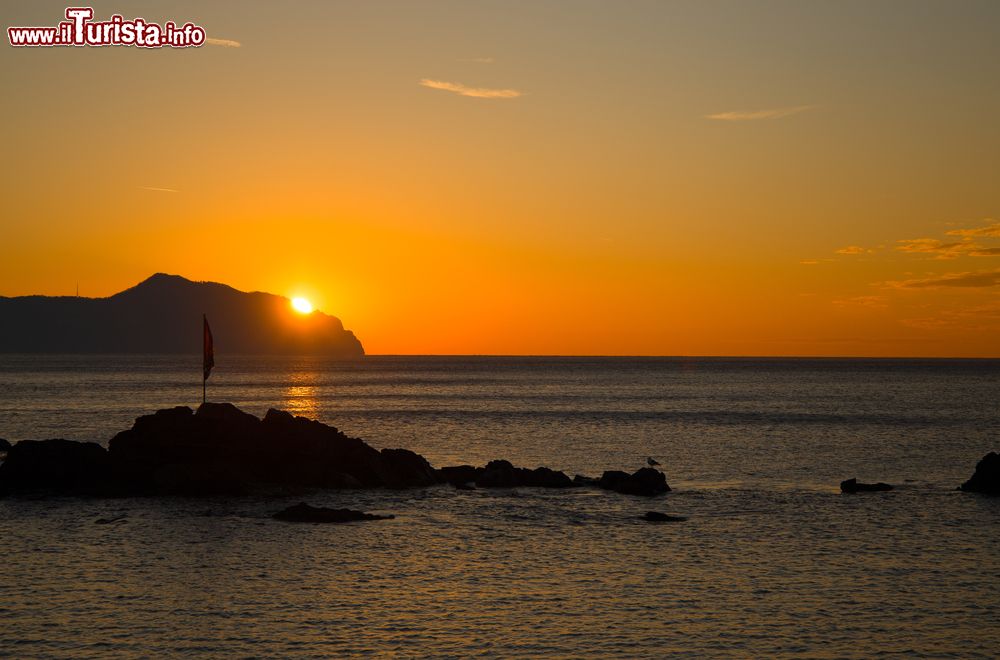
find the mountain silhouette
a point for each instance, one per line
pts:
(163, 315)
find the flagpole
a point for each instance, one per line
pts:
(207, 357)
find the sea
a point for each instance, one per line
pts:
(772, 560)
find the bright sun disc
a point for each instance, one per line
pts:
(301, 305)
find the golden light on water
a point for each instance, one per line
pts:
(302, 306)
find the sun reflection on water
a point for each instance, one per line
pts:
(300, 395)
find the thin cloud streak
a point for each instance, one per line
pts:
(474, 92)
(967, 280)
(854, 249)
(873, 302)
(941, 250)
(754, 115)
(225, 43)
(989, 230)
(154, 189)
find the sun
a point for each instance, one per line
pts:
(302, 306)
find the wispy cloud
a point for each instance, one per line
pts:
(225, 43)
(475, 92)
(989, 230)
(154, 189)
(854, 249)
(966, 280)
(873, 302)
(752, 115)
(941, 250)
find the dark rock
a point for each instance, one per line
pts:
(656, 516)
(986, 478)
(220, 449)
(61, 466)
(302, 512)
(457, 474)
(402, 468)
(4, 445)
(646, 482)
(855, 486)
(498, 474)
(544, 477)
(462, 485)
(501, 474)
(108, 521)
(612, 479)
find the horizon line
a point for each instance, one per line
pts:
(537, 355)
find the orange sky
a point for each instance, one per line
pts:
(665, 178)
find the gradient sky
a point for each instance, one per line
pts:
(574, 177)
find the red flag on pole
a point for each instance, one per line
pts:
(208, 350)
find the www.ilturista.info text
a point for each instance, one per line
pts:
(80, 30)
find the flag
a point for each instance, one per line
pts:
(208, 349)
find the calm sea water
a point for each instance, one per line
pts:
(773, 560)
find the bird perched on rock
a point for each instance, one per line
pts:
(651, 462)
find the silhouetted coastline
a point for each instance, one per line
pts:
(221, 450)
(162, 314)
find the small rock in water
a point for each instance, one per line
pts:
(855, 486)
(656, 516)
(302, 512)
(987, 476)
(647, 482)
(461, 485)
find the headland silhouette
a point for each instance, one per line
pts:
(163, 315)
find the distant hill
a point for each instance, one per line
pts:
(163, 315)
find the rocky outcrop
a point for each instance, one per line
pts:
(220, 445)
(217, 450)
(302, 512)
(855, 486)
(4, 446)
(502, 474)
(221, 450)
(646, 482)
(58, 466)
(402, 468)
(986, 478)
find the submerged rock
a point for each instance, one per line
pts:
(59, 466)
(302, 512)
(108, 521)
(855, 486)
(656, 516)
(986, 478)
